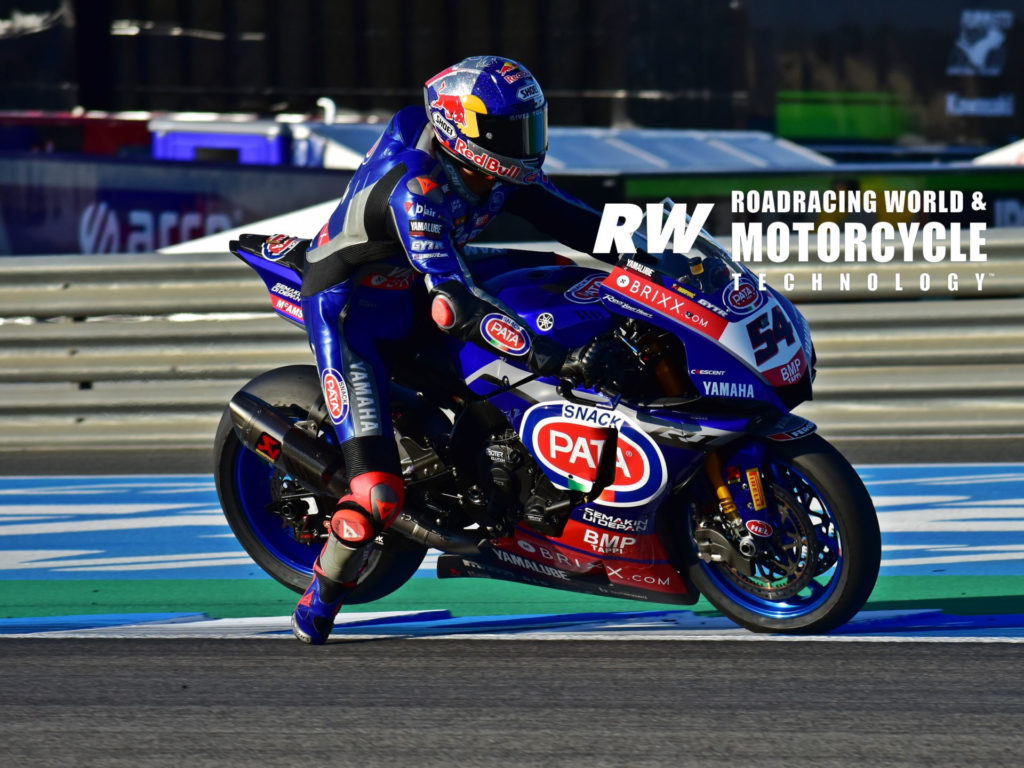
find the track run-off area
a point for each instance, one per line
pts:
(150, 556)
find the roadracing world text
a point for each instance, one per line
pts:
(904, 232)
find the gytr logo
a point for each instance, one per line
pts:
(568, 441)
(506, 334)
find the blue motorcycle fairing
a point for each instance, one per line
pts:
(737, 346)
(284, 284)
(568, 439)
(543, 297)
(803, 330)
(759, 338)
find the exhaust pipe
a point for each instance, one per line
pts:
(415, 529)
(268, 433)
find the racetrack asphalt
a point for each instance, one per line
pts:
(457, 703)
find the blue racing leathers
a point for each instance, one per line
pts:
(406, 210)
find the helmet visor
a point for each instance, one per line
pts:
(518, 136)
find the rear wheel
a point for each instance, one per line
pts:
(278, 521)
(819, 564)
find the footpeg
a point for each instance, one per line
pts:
(546, 517)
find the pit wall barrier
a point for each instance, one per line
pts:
(142, 351)
(52, 204)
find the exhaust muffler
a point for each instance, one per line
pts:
(268, 433)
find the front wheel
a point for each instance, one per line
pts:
(819, 565)
(280, 523)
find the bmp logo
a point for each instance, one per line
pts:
(608, 543)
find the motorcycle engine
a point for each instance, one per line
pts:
(519, 488)
(636, 360)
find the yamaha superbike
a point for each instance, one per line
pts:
(677, 470)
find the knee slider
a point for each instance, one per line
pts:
(352, 524)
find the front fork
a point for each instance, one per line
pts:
(738, 484)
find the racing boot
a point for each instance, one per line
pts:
(313, 618)
(351, 532)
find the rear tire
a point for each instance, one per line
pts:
(246, 484)
(813, 483)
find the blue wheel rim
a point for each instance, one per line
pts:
(253, 479)
(822, 586)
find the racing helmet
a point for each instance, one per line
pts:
(491, 116)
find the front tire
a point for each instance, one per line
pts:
(247, 485)
(827, 548)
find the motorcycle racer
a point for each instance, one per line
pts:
(427, 188)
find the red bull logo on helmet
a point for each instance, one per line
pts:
(511, 72)
(451, 104)
(568, 441)
(486, 162)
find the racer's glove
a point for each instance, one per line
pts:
(572, 369)
(547, 357)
